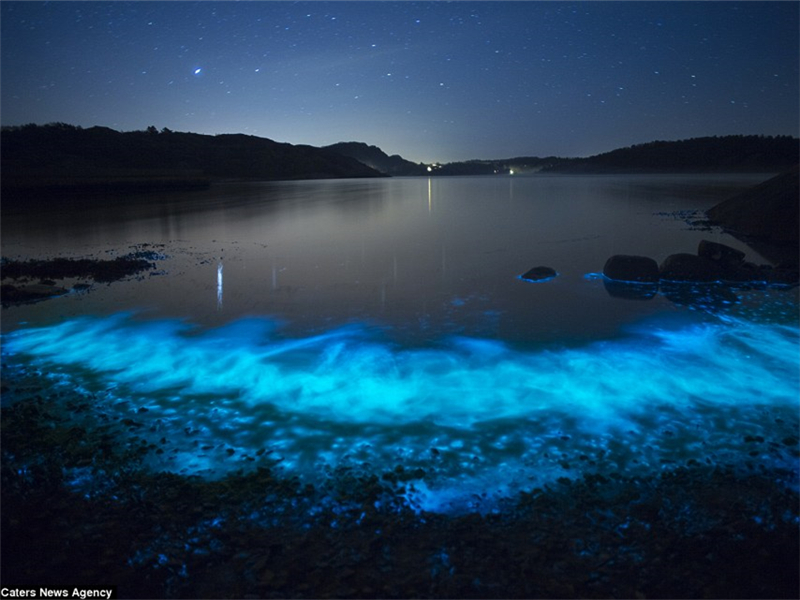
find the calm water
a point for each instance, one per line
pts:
(382, 321)
(424, 257)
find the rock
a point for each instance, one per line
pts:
(720, 253)
(691, 268)
(784, 274)
(539, 274)
(742, 273)
(640, 269)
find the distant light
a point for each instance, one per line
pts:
(198, 71)
(430, 169)
(511, 171)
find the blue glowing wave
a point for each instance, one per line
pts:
(492, 413)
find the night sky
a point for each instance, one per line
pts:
(432, 81)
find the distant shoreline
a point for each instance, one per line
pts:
(63, 157)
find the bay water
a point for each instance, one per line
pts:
(367, 324)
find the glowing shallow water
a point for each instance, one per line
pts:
(480, 418)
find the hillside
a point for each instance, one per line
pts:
(60, 156)
(377, 159)
(733, 153)
(68, 158)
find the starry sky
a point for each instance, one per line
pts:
(432, 81)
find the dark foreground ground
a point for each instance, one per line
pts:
(78, 509)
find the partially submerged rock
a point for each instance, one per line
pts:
(689, 267)
(744, 273)
(720, 253)
(539, 274)
(639, 269)
(707, 278)
(785, 274)
(713, 263)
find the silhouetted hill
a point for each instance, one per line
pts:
(374, 157)
(64, 157)
(732, 153)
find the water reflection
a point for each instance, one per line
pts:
(630, 290)
(332, 246)
(219, 285)
(430, 196)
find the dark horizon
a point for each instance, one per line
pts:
(390, 152)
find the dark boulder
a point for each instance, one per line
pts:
(743, 273)
(639, 269)
(690, 268)
(784, 274)
(720, 253)
(538, 274)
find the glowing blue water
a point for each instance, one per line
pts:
(477, 415)
(451, 366)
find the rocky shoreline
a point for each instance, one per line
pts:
(714, 263)
(79, 506)
(41, 279)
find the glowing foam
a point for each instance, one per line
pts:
(476, 414)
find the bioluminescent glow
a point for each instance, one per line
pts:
(542, 280)
(476, 415)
